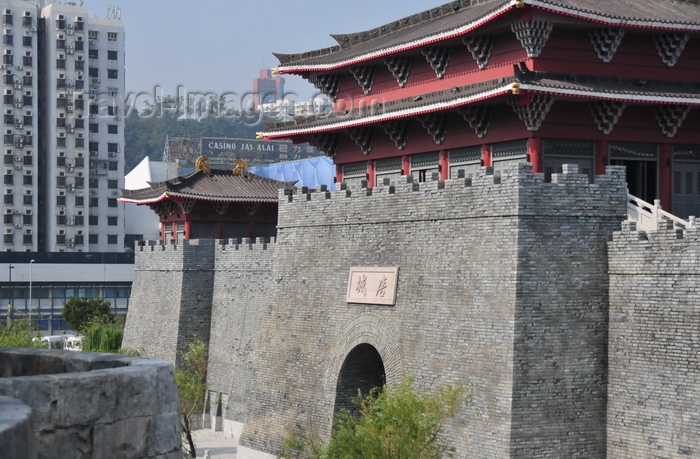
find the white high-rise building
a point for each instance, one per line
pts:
(63, 91)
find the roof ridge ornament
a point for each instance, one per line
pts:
(605, 41)
(670, 117)
(438, 57)
(201, 164)
(400, 67)
(670, 46)
(606, 113)
(478, 117)
(364, 75)
(480, 47)
(397, 130)
(533, 35)
(328, 83)
(533, 113)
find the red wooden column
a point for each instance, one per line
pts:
(188, 230)
(601, 156)
(219, 230)
(486, 155)
(666, 176)
(162, 232)
(405, 165)
(249, 230)
(534, 153)
(371, 174)
(444, 165)
(338, 173)
(173, 231)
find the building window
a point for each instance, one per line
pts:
(111, 36)
(27, 219)
(60, 219)
(61, 182)
(27, 201)
(79, 46)
(8, 238)
(61, 161)
(79, 143)
(94, 202)
(79, 182)
(112, 92)
(80, 123)
(79, 65)
(8, 218)
(93, 34)
(112, 184)
(60, 63)
(113, 111)
(94, 128)
(111, 203)
(112, 239)
(61, 200)
(112, 55)
(93, 238)
(7, 59)
(60, 238)
(79, 162)
(112, 73)
(9, 160)
(112, 221)
(93, 54)
(26, 21)
(61, 44)
(9, 179)
(79, 201)
(61, 142)
(79, 221)
(94, 220)
(27, 239)
(27, 180)
(94, 146)
(60, 122)
(93, 183)
(94, 72)
(113, 166)
(27, 160)
(113, 147)
(7, 39)
(27, 61)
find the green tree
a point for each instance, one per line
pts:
(393, 423)
(103, 334)
(79, 312)
(191, 380)
(18, 333)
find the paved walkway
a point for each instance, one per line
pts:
(218, 446)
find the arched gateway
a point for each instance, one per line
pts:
(362, 371)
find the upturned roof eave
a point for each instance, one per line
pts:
(622, 96)
(596, 17)
(392, 115)
(169, 195)
(407, 46)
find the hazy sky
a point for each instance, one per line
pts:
(219, 46)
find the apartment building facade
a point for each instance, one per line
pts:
(63, 90)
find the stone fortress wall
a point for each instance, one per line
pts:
(502, 284)
(654, 346)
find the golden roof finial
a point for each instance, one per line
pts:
(515, 88)
(275, 70)
(241, 166)
(519, 3)
(259, 135)
(201, 164)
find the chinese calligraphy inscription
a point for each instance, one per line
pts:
(372, 285)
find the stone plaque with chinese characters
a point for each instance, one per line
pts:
(372, 285)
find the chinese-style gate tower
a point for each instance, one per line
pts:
(490, 83)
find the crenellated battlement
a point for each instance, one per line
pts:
(514, 191)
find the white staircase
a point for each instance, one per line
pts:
(649, 217)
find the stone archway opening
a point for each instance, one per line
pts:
(362, 371)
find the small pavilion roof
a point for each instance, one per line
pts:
(561, 85)
(216, 185)
(464, 16)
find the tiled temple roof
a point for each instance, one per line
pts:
(557, 84)
(217, 185)
(463, 16)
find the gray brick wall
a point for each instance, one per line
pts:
(170, 303)
(654, 370)
(473, 306)
(239, 299)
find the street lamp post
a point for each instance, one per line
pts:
(31, 262)
(12, 296)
